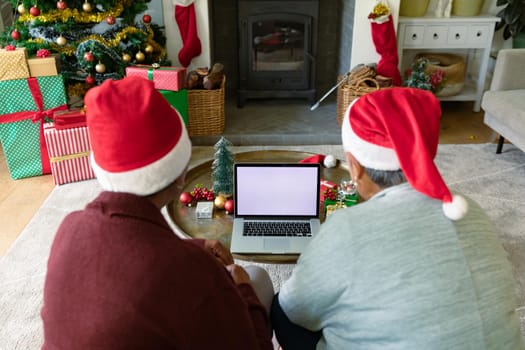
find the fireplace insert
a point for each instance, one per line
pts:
(277, 47)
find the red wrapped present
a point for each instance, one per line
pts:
(328, 189)
(73, 118)
(68, 154)
(165, 78)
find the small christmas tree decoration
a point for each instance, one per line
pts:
(146, 18)
(15, 34)
(86, 6)
(61, 40)
(229, 206)
(100, 67)
(148, 49)
(186, 198)
(34, 11)
(90, 80)
(21, 9)
(126, 57)
(89, 57)
(140, 56)
(110, 20)
(219, 202)
(61, 5)
(222, 168)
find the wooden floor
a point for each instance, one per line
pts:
(20, 199)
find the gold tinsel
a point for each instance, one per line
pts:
(78, 89)
(63, 16)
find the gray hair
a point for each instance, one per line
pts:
(386, 178)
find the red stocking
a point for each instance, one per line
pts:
(384, 38)
(191, 44)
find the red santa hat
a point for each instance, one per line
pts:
(398, 128)
(139, 142)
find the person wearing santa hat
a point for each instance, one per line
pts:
(412, 266)
(117, 276)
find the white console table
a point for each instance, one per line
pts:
(432, 34)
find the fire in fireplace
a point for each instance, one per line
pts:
(277, 48)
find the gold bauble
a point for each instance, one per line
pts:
(140, 56)
(148, 49)
(87, 7)
(21, 9)
(61, 40)
(126, 57)
(100, 67)
(219, 202)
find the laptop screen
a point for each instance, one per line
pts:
(276, 190)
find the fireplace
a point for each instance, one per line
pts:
(277, 49)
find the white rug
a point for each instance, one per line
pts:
(497, 182)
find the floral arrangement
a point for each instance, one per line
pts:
(421, 77)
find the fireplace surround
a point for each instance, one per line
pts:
(277, 49)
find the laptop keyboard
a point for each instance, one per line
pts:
(277, 229)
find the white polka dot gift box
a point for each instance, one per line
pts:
(24, 106)
(69, 150)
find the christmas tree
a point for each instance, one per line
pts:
(95, 39)
(222, 167)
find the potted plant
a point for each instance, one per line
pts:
(512, 19)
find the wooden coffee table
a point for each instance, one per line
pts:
(220, 226)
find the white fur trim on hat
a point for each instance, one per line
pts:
(150, 178)
(456, 209)
(368, 154)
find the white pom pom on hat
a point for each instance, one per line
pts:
(398, 128)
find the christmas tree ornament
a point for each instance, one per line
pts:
(140, 56)
(15, 34)
(61, 5)
(229, 206)
(86, 6)
(126, 57)
(219, 202)
(21, 9)
(110, 20)
(186, 198)
(222, 167)
(146, 18)
(88, 56)
(185, 18)
(100, 67)
(61, 40)
(90, 80)
(148, 49)
(34, 11)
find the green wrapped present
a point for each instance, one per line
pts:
(331, 205)
(179, 101)
(24, 106)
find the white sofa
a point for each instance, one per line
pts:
(504, 103)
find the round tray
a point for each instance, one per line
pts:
(220, 226)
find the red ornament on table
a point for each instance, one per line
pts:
(61, 5)
(15, 34)
(110, 20)
(146, 18)
(186, 198)
(34, 11)
(229, 206)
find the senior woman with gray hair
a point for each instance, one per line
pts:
(412, 266)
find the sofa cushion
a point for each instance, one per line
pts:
(508, 106)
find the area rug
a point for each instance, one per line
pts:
(497, 182)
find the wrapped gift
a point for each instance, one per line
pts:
(332, 205)
(72, 118)
(24, 105)
(328, 190)
(44, 66)
(69, 150)
(13, 64)
(165, 78)
(179, 101)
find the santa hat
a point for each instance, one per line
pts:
(139, 142)
(398, 128)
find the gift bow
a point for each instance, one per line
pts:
(43, 53)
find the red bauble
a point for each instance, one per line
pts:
(110, 20)
(61, 5)
(90, 80)
(229, 206)
(88, 56)
(186, 198)
(34, 11)
(146, 18)
(15, 34)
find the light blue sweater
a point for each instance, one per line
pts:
(395, 273)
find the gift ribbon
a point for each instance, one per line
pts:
(69, 157)
(36, 116)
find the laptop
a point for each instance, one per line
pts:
(275, 194)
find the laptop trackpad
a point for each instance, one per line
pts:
(276, 245)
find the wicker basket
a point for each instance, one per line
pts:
(358, 84)
(206, 111)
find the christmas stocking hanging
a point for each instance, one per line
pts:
(384, 38)
(185, 18)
